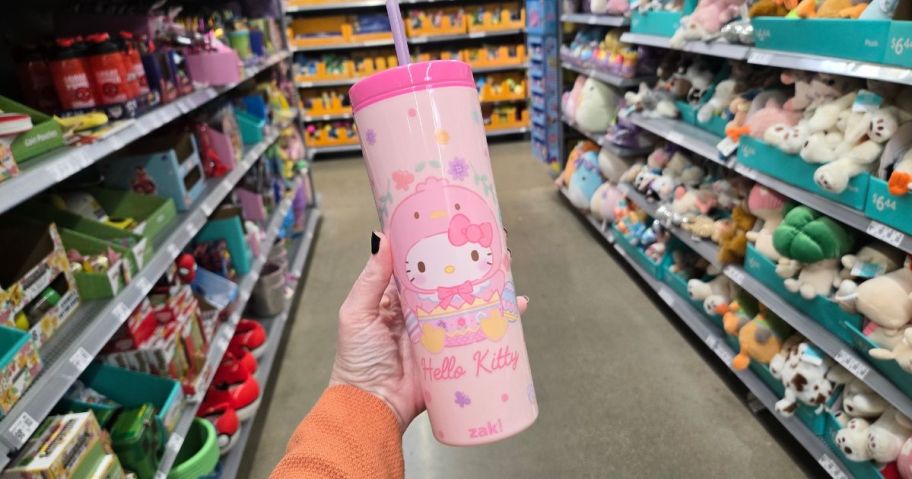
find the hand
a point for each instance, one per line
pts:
(373, 351)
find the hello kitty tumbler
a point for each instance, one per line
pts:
(423, 139)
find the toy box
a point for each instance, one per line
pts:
(487, 56)
(19, 365)
(215, 67)
(37, 288)
(887, 208)
(653, 268)
(108, 468)
(326, 102)
(331, 134)
(366, 64)
(502, 88)
(138, 440)
(99, 284)
(888, 367)
(152, 214)
(864, 40)
(45, 135)
(328, 68)
(507, 117)
(62, 447)
(496, 17)
(659, 23)
(167, 165)
(331, 30)
(444, 21)
(130, 389)
(795, 171)
(226, 225)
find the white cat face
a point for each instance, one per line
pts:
(434, 262)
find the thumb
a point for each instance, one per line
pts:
(364, 298)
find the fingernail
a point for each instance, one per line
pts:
(375, 243)
(526, 298)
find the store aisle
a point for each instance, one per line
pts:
(622, 392)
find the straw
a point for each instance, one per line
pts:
(395, 17)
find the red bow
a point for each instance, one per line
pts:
(462, 232)
(464, 291)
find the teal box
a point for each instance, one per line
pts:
(716, 125)
(687, 111)
(858, 470)
(654, 269)
(130, 389)
(854, 39)
(678, 284)
(251, 127)
(795, 171)
(231, 230)
(762, 371)
(821, 309)
(662, 24)
(886, 208)
(888, 367)
(899, 49)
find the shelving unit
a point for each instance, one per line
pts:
(694, 139)
(569, 63)
(352, 81)
(43, 172)
(590, 19)
(599, 139)
(715, 49)
(715, 341)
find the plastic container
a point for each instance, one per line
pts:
(424, 144)
(251, 127)
(240, 42)
(69, 62)
(199, 453)
(268, 296)
(138, 440)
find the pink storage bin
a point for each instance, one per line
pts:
(214, 68)
(221, 143)
(252, 207)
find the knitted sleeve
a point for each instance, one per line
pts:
(349, 433)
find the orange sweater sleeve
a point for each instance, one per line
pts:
(349, 433)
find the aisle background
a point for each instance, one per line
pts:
(622, 392)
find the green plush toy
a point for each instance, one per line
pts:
(811, 245)
(808, 236)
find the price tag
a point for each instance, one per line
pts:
(121, 312)
(81, 359)
(226, 186)
(207, 208)
(667, 296)
(735, 274)
(885, 233)
(727, 146)
(172, 250)
(674, 137)
(191, 227)
(143, 284)
(620, 250)
(175, 442)
(748, 173)
(476, 34)
(760, 58)
(852, 364)
(23, 427)
(221, 343)
(711, 341)
(160, 475)
(723, 353)
(830, 466)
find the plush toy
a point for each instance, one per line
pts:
(718, 291)
(598, 7)
(852, 440)
(706, 21)
(581, 147)
(732, 238)
(571, 99)
(904, 461)
(811, 245)
(769, 206)
(858, 152)
(859, 400)
(901, 353)
(722, 97)
(804, 375)
(597, 106)
(886, 300)
(757, 123)
(585, 180)
(896, 161)
(872, 259)
(887, 435)
(605, 201)
(692, 83)
(691, 202)
(771, 8)
(699, 226)
(652, 103)
(760, 339)
(612, 166)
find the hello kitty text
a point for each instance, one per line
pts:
(486, 361)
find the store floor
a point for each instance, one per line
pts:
(622, 389)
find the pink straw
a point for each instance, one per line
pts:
(395, 17)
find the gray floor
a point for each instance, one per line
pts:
(622, 392)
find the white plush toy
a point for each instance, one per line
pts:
(598, 7)
(813, 278)
(901, 353)
(714, 293)
(804, 375)
(722, 97)
(604, 201)
(887, 435)
(886, 300)
(862, 154)
(880, 256)
(597, 106)
(612, 166)
(852, 440)
(859, 400)
(790, 139)
(652, 103)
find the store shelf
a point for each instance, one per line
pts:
(599, 139)
(343, 46)
(95, 322)
(353, 4)
(314, 151)
(352, 81)
(715, 49)
(336, 116)
(715, 341)
(590, 19)
(500, 68)
(571, 63)
(507, 131)
(836, 66)
(820, 336)
(38, 174)
(221, 338)
(464, 36)
(689, 136)
(275, 329)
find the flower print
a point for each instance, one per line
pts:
(443, 137)
(371, 137)
(403, 179)
(461, 322)
(458, 169)
(504, 397)
(462, 399)
(412, 112)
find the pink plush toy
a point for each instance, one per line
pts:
(571, 98)
(904, 461)
(706, 21)
(771, 114)
(618, 7)
(812, 90)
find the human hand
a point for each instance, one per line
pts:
(373, 351)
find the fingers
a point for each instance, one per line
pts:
(364, 298)
(523, 303)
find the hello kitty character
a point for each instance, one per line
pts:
(451, 267)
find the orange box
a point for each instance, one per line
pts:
(507, 118)
(320, 137)
(326, 102)
(498, 17)
(448, 25)
(505, 56)
(497, 88)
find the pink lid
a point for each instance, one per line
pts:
(409, 78)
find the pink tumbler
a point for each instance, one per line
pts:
(424, 144)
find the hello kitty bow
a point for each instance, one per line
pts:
(462, 231)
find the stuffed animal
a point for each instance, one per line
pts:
(612, 166)
(596, 108)
(652, 103)
(852, 440)
(887, 435)
(706, 21)
(804, 375)
(718, 291)
(872, 259)
(859, 400)
(886, 300)
(760, 339)
(757, 123)
(732, 237)
(901, 353)
(598, 7)
(771, 8)
(605, 201)
(722, 97)
(811, 245)
(691, 202)
(897, 155)
(571, 99)
(858, 152)
(585, 180)
(904, 461)
(769, 206)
